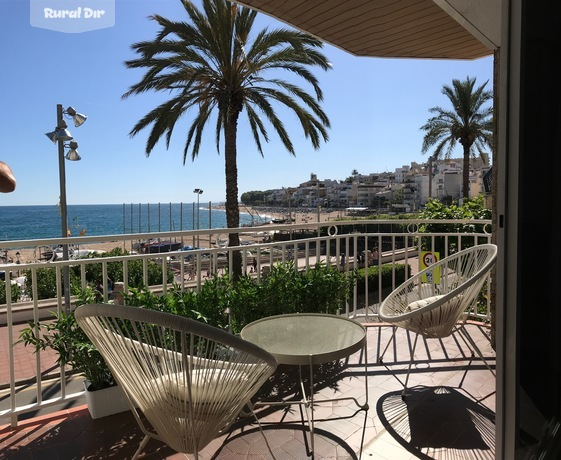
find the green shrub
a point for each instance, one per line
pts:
(46, 277)
(207, 305)
(46, 283)
(115, 270)
(73, 346)
(15, 294)
(321, 289)
(387, 274)
(434, 209)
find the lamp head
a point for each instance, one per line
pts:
(52, 136)
(63, 135)
(79, 118)
(73, 154)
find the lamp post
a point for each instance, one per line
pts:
(59, 136)
(198, 191)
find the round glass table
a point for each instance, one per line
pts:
(308, 339)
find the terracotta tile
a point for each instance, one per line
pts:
(73, 434)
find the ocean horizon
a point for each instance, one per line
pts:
(44, 221)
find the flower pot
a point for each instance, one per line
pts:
(108, 401)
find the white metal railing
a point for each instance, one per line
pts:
(398, 241)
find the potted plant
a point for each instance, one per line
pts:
(75, 349)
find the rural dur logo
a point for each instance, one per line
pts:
(72, 16)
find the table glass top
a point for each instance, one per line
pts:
(304, 338)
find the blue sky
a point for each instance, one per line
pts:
(376, 107)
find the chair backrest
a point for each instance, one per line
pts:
(189, 379)
(432, 301)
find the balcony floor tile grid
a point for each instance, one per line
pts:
(440, 417)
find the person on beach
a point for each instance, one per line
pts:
(98, 291)
(7, 179)
(375, 256)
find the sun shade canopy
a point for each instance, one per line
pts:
(380, 28)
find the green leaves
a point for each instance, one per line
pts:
(435, 210)
(15, 293)
(220, 302)
(73, 346)
(321, 289)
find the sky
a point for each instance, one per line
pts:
(376, 107)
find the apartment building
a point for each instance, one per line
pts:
(408, 188)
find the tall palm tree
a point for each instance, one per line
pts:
(469, 122)
(213, 66)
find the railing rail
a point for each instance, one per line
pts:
(306, 244)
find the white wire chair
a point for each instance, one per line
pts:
(189, 380)
(436, 301)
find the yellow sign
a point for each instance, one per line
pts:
(427, 259)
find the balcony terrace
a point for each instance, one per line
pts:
(448, 413)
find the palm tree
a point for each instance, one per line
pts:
(469, 123)
(214, 66)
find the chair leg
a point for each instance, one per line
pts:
(141, 447)
(410, 364)
(468, 340)
(261, 429)
(392, 338)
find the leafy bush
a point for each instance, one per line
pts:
(321, 289)
(46, 283)
(386, 273)
(115, 270)
(15, 294)
(471, 209)
(46, 277)
(73, 346)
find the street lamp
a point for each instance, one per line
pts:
(198, 191)
(59, 136)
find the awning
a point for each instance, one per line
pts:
(392, 28)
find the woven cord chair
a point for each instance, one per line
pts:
(189, 380)
(437, 300)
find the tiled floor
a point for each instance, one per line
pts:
(440, 416)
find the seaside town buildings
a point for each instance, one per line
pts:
(406, 189)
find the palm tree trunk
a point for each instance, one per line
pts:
(465, 187)
(232, 206)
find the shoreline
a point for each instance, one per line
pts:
(300, 215)
(27, 255)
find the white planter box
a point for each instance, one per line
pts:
(108, 401)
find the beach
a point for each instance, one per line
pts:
(308, 215)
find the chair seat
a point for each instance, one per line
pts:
(435, 323)
(416, 304)
(203, 386)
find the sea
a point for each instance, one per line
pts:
(40, 222)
